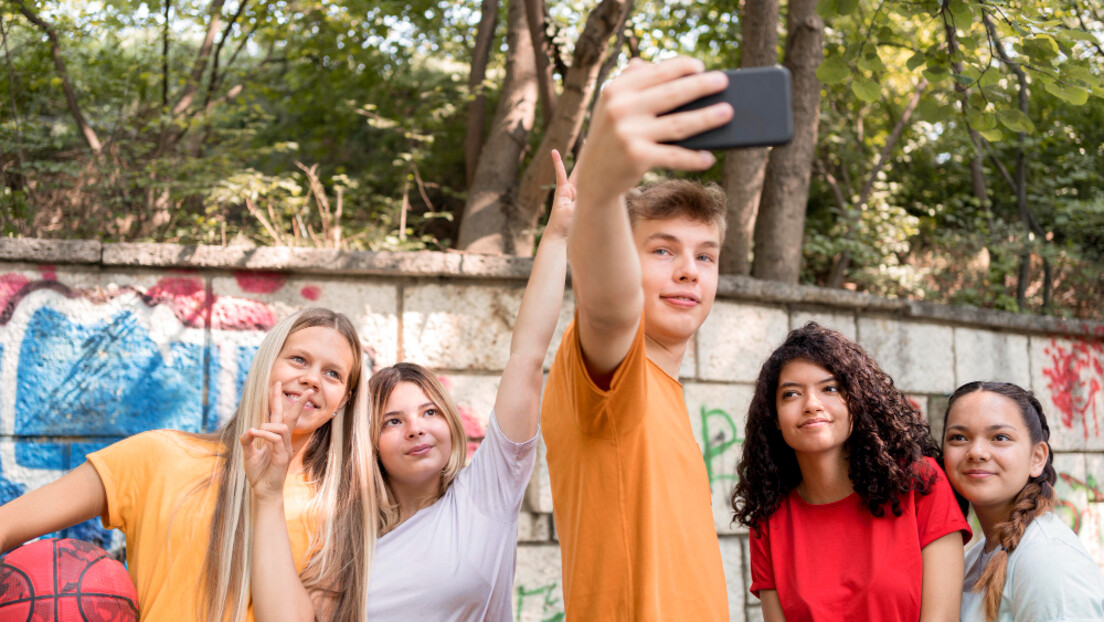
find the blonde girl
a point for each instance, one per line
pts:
(183, 501)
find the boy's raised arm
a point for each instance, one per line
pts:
(625, 141)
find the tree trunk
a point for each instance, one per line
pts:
(781, 222)
(86, 131)
(477, 107)
(492, 192)
(546, 85)
(744, 169)
(579, 84)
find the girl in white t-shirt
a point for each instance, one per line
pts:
(448, 533)
(1029, 566)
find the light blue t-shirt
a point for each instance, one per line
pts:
(454, 560)
(1050, 577)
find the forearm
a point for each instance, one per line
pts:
(278, 593)
(943, 567)
(76, 497)
(604, 263)
(517, 404)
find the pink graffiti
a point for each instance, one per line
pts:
(260, 282)
(186, 296)
(473, 427)
(311, 292)
(48, 272)
(10, 285)
(1074, 381)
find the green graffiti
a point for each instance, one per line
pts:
(1073, 515)
(551, 611)
(715, 443)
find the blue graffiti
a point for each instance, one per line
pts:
(108, 380)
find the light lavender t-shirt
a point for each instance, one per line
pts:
(1050, 578)
(454, 560)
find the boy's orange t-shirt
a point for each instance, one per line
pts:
(150, 481)
(630, 493)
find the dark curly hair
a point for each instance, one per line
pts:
(888, 439)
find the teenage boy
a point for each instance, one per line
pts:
(629, 486)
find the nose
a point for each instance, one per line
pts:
(415, 428)
(687, 270)
(311, 378)
(813, 403)
(977, 451)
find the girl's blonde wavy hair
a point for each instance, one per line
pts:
(338, 463)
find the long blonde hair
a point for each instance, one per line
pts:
(337, 462)
(380, 387)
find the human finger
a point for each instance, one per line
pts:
(561, 172)
(680, 125)
(639, 74)
(276, 402)
(292, 414)
(675, 158)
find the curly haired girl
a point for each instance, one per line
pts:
(1029, 566)
(851, 517)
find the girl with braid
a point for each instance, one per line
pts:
(850, 516)
(1029, 566)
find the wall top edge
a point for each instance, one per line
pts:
(463, 265)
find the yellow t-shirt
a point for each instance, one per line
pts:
(630, 494)
(150, 481)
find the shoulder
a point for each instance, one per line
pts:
(1049, 547)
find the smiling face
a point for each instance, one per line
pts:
(987, 450)
(678, 263)
(316, 358)
(812, 412)
(414, 439)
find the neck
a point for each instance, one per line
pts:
(414, 497)
(824, 477)
(667, 356)
(989, 518)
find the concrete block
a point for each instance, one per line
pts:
(474, 397)
(988, 355)
(1068, 377)
(732, 558)
(538, 587)
(735, 340)
(458, 327)
(754, 613)
(1081, 499)
(718, 413)
(50, 251)
(842, 322)
(919, 357)
(533, 528)
(937, 406)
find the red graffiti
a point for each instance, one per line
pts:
(311, 292)
(1074, 381)
(48, 272)
(10, 285)
(474, 428)
(260, 282)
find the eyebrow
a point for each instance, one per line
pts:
(667, 237)
(995, 426)
(797, 384)
(420, 408)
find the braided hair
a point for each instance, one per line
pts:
(889, 439)
(1034, 499)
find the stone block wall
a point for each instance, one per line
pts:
(99, 341)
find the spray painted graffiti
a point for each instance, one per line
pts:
(1078, 518)
(718, 435)
(1074, 376)
(551, 610)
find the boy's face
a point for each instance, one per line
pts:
(678, 263)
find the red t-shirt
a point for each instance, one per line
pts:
(837, 561)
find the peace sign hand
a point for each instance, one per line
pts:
(267, 450)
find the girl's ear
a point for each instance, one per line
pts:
(1039, 455)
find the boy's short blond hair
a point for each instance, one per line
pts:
(679, 197)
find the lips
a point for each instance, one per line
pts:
(294, 397)
(681, 299)
(978, 474)
(814, 422)
(419, 450)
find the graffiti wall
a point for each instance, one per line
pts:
(97, 348)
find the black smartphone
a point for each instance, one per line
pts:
(761, 99)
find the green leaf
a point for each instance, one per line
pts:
(866, 89)
(1015, 120)
(1078, 35)
(932, 111)
(993, 135)
(991, 77)
(871, 63)
(980, 121)
(962, 13)
(847, 7)
(833, 70)
(963, 80)
(916, 60)
(827, 9)
(1071, 93)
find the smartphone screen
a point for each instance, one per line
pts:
(763, 105)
